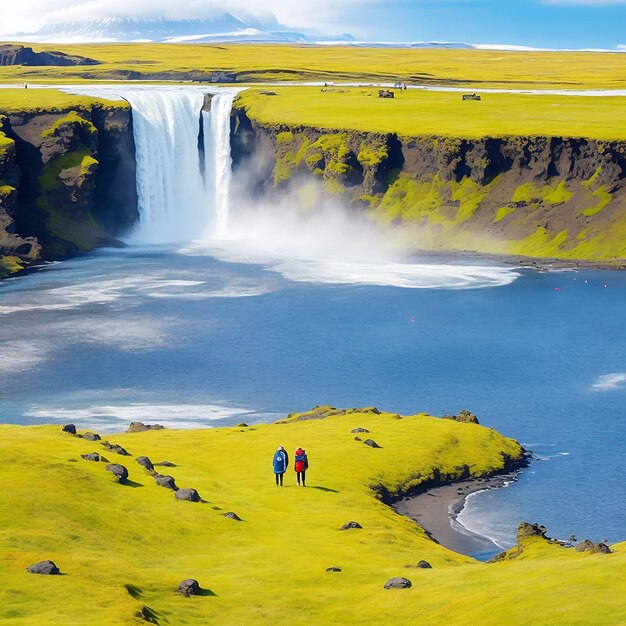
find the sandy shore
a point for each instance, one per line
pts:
(436, 510)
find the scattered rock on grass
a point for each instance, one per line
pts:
(359, 430)
(43, 567)
(464, 416)
(398, 582)
(144, 461)
(69, 428)
(333, 569)
(92, 456)
(118, 470)
(165, 481)
(140, 427)
(189, 587)
(350, 525)
(589, 546)
(166, 464)
(92, 436)
(231, 515)
(242, 425)
(188, 494)
(115, 447)
(371, 443)
(358, 439)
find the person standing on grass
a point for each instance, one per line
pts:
(301, 465)
(281, 463)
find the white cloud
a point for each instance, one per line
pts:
(29, 15)
(608, 382)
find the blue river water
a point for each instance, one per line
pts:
(185, 339)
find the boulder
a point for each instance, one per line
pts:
(525, 530)
(424, 565)
(92, 436)
(358, 439)
(69, 428)
(189, 587)
(371, 443)
(115, 447)
(188, 494)
(166, 464)
(359, 430)
(594, 548)
(333, 569)
(43, 567)
(144, 461)
(231, 515)
(398, 582)
(118, 470)
(242, 425)
(165, 481)
(464, 416)
(350, 525)
(93, 456)
(140, 427)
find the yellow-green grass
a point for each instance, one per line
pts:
(49, 101)
(270, 567)
(415, 113)
(289, 62)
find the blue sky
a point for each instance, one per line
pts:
(540, 23)
(522, 22)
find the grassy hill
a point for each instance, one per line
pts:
(124, 547)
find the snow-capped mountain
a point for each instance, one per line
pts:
(222, 28)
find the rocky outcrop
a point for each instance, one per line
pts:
(189, 587)
(67, 182)
(15, 54)
(464, 417)
(535, 196)
(140, 427)
(399, 582)
(44, 567)
(594, 548)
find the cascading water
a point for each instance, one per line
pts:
(180, 199)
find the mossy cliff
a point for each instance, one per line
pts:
(67, 182)
(548, 197)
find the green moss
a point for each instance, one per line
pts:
(604, 198)
(285, 137)
(73, 117)
(9, 265)
(6, 145)
(49, 178)
(6, 191)
(288, 163)
(469, 194)
(559, 194)
(371, 156)
(333, 187)
(88, 166)
(503, 212)
(549, 194)
(590, 183)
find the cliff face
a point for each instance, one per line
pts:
(13, 54)
(549, 197)
(67, 183)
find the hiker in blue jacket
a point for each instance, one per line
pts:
(281, 463)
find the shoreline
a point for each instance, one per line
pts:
(437, 510)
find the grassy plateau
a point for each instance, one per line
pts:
(124, 547)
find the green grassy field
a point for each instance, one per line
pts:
(125, 546)
(415, 113)
(49, 101)
(297, 62)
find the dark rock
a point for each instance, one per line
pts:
(140, 427)
(231, 515)
(69, 428)
(333, 569)
(359, 430)
(398, 583)
(371, 443)
(92, 436)
(43, 567)
(242, 425)
(525, 530)
(594, 548)
(93, 456)
(72, 461)
(144, 461)
(350, 525)
(358, 439)
(147, 615)
(188, 494)
(464, 416)
(165, 481)
(118, 470)
(166, 464)
(17, 54)
(114, 447)
(424, 565)
(189, 587)
(103, 459)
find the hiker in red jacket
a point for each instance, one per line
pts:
(301, 465)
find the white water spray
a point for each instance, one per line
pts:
(178, 200)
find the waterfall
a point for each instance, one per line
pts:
(179, 199)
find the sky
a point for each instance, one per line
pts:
(539, 23)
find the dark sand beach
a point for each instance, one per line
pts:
(437, 509)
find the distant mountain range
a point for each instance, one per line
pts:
(223, 28)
